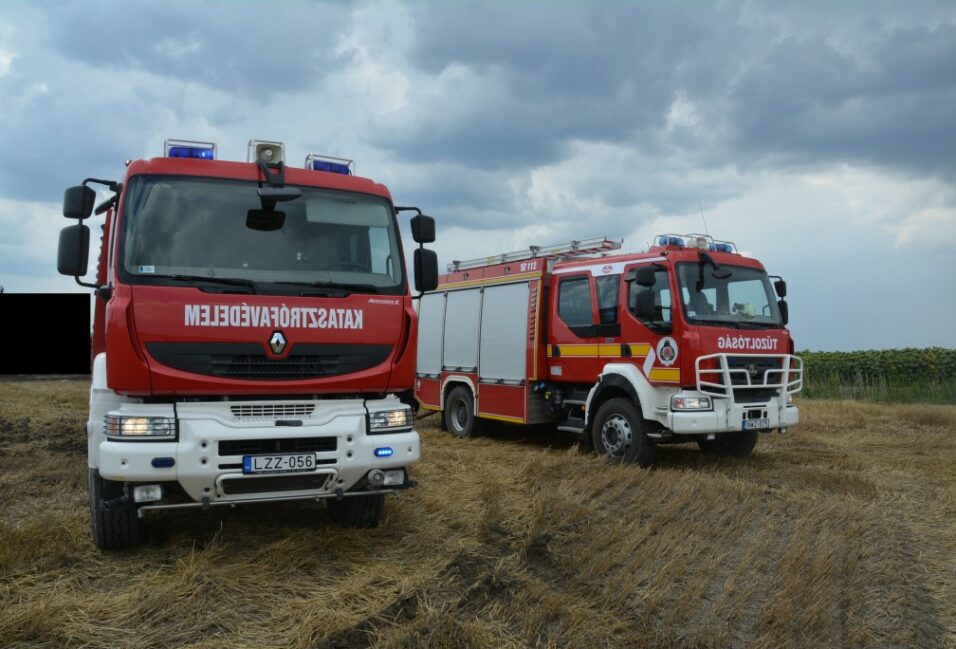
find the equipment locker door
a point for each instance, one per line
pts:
(573, 338)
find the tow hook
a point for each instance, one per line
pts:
(108, 505)
(339, 494)
(205, 503)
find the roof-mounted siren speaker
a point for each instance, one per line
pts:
(190, 149)
(269, 152)
(317, 162)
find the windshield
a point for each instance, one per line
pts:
(738, 296)
(180, 228)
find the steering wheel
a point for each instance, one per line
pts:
(349, 265)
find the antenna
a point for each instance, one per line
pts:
(701, 208)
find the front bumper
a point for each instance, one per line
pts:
(728, 416)
(212, 440)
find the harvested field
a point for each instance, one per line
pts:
(842, 534)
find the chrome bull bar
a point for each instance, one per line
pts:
(788, 377)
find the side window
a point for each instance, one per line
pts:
(608, 289)
(574, 301)
(662, 297)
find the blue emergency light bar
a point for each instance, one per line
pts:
(329, 164)
(384, 451)
(696, 241)
(190, 149)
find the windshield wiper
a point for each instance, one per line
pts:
(227, 281)
(347, 288)
(715, 321)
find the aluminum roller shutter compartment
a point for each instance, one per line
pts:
(462, 316)
(504, 333)
(431, 325)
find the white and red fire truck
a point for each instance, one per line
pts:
(686, 342)
(253, 326)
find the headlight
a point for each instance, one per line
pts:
(140, 427)
(389, 420)
(789, 399)
(691, 403)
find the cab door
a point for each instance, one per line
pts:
(648, 340)
(573, 337)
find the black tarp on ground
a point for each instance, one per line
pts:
(44, 333)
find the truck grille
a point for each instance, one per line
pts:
(756, 370)
(272, 410)
(249, 360)
(278, 445)
(303, 482)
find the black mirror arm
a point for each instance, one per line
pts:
(407, 209)
(110, 184)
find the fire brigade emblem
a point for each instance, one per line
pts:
(277, 342)
(667, 351)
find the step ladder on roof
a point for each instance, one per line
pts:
(581, 248)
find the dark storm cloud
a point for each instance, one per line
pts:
(252, 49)
(860, 87)
(891, 105)
(553, 73)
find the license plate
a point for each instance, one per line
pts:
(278, 463)
(756, 424)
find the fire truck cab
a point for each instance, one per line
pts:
(686, 342)
(253, 327)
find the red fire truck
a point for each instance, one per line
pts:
(683, 343)
(253, 326)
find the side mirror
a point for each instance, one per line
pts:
(265, 220)
(780, 287)
(73, 255)
(78, 202)
(423, 229)
(426, 270)
(784, 311)
(645, 309)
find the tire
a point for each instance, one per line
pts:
(357, 511)
(738, 445)
(459, 412)
(618, 432)
(116, 528)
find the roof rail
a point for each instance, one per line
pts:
(582, 247)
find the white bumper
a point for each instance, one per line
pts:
(207, 456)
(728, 416)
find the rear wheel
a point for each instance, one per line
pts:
(357, 511)
(459, 414)
(618, 432)
(114, 522)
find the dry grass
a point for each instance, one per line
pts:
(841, 534)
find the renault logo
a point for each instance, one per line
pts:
(277, 342)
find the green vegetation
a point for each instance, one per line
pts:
(891, 375)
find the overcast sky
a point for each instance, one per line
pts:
(822, 140)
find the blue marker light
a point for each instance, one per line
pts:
(191, 152)
(331, 167)
(384, 451)
(724, 247)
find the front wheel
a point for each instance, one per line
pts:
(114, 521)
(357, 511)
(738, 445)
(618, 432)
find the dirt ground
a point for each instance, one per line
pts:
(840, 534)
